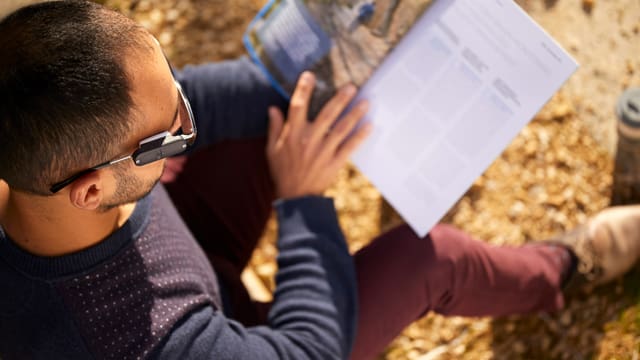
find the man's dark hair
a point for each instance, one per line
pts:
(64, 93)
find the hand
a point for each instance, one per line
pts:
(305, 157)
(172, 168)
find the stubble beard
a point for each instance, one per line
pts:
(129, 189)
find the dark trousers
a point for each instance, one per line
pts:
(224, 194)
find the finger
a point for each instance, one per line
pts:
(349, 146)
(344, 128)
(276, 122)
(330, 112)
(299, 105)
(176, 163)
(167, 177)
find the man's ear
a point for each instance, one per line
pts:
(87, 192)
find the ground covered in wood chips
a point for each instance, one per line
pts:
(553, 176)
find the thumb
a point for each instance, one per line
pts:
(276, 123)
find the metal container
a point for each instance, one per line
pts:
(626, 176)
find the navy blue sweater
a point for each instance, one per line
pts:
(148, 290)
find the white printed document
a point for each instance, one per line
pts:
(448, 93)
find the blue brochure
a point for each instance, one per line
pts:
(340, 41)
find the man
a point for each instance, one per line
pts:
(96, 262)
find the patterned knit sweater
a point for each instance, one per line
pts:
(148, 291)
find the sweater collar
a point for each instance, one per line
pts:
(50, 268)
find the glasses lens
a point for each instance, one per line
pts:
(176, 128)
(185, 115)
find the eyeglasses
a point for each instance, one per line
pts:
(154, 148)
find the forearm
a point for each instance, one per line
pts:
(314, 263)
(314, 311)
